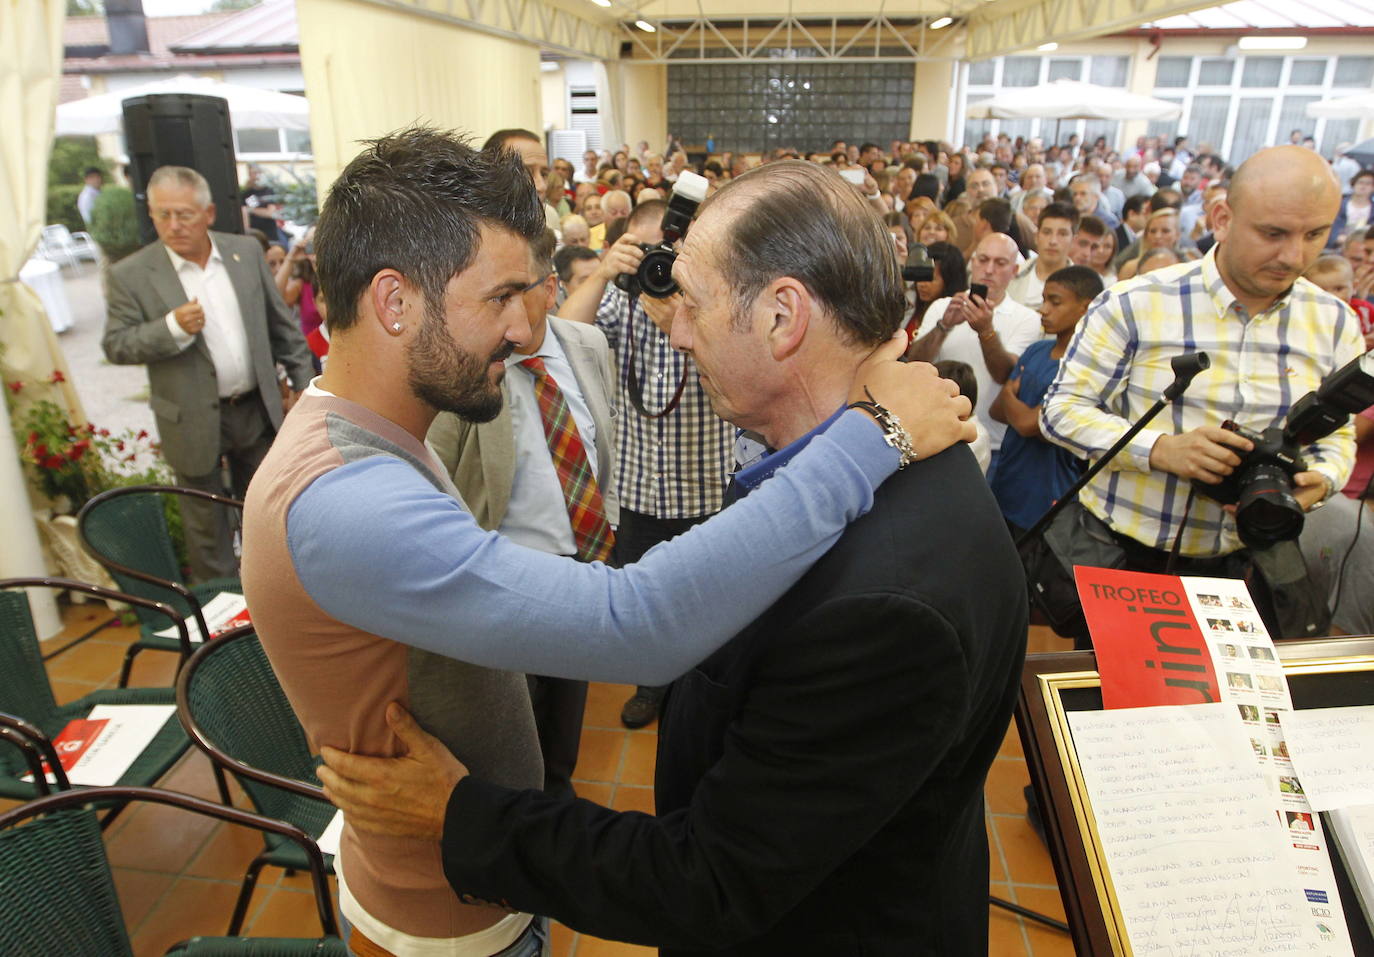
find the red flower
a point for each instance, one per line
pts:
(119, 446)
(40, 451)
(104, 433)
(15, 387)
(57, 377)
(131, 457)
(53, 462)
(142, 433)
(90, 429)
(33, 437)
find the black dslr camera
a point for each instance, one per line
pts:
(919, 266)
(1261, 487)
(654, 277)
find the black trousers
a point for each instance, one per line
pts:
(638, 532)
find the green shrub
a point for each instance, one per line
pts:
(114, 223)
(70, 158)
(62, 207)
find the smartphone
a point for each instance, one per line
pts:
(855, 176)
(979, 290)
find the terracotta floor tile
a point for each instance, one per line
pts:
(1027, 860)
(997, 871)
(598, 791)
(595, 947)
(560, 940)
(640, 757)
(299, 881)
(1041, 638)
(598, 759)
(1045, 941)
(604, 702)
(92, 662)
(193, 774)
(66, 691)
(1046, 900)
(286, 913)
(1006, 779)
(139, 892)
(1005, 937)
(192, 908)
(154, 669)
(631, 798)
(1011, 744)
(226, 854)
(158, 838)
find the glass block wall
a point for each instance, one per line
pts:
(796, 102)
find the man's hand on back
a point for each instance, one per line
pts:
(1207, 454)
(931, 409)
(400, 797)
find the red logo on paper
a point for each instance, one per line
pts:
(74, 741)
(1150, 650)
(229, 624)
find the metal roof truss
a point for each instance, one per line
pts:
(848, 39)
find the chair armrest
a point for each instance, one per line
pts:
(37, 749)
(68, 584)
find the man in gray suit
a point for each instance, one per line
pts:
(200, 309)
(510, 480)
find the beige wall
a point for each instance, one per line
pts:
(370, 70)
(644, 103)
(931, 103)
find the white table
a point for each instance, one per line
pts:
(45, 279)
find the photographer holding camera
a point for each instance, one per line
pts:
(1272, 337)
(673, 452)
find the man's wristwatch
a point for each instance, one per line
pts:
(894, 433)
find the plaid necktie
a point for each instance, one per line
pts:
(586, 513)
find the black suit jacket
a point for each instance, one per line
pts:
(820, 778)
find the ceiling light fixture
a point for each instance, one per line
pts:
(645, 25)
(1048, 47)
(1272, 43)
(941, 23)
(602, 3)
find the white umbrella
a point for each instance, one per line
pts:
(1072, 100)
(1359, 106)
(249, 108)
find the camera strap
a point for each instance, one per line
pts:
(1178, 539)
(634, 387)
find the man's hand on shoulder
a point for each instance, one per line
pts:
(931, 409)
(399, 797)
(1207, 454)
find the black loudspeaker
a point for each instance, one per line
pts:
(183, 129)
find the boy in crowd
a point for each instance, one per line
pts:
(962, 375)
(1334, 274)
(1033, 472)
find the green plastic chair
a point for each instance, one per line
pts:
(26, 693)
(234, 710)
(125, 530)
(57, 894)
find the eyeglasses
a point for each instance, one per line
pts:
(537, 282)
(182, 216)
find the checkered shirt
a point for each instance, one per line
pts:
(1118, 364)
(676, 466)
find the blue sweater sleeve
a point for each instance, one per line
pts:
(377, 547)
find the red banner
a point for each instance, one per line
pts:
(1150, 649)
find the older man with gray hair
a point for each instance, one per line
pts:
(200, 309)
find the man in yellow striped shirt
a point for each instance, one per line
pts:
(1271, 336)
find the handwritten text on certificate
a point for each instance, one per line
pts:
(1187, 825)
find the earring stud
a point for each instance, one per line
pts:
(396, 326)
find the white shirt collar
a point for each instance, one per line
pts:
(178, 261)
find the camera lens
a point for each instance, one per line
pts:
(656, 273)
(1266, 512)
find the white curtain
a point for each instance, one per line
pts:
(30, 71)
(609, 88)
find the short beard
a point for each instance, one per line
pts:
(449, 379)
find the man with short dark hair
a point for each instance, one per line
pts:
(1089, 233)
(85, 200)
(574, 265)
(370, 582)
(991, 216)
(819, 781)
(1053, 236)
(201, 311)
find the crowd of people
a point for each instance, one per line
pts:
(689, 491)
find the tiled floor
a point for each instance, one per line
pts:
(178, 874)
